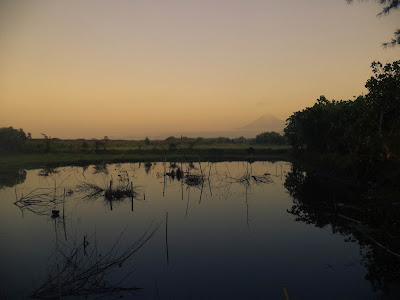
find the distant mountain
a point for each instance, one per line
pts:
(266, 122)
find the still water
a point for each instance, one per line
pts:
(223, 232)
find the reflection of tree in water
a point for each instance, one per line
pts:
(147, 167)
(9, 178)
(100, 168)
(48, 172)
(366, 220)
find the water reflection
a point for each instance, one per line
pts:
(79, 266)
(47, 172)
(40, 201)
(82, 269)
(11, 177)
(100, 168)
(226, 225)
(370, 222)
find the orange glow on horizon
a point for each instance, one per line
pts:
(87, 69)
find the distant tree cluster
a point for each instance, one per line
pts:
(12, 139)
(183, 140)
(48, 141)
(270, 138)
(368, 125)
(241, 140)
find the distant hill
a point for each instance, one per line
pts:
(266, 122)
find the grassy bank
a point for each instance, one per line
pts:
(222, 153)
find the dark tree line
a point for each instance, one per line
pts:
(368, 125)
(270, 138)
(12, 139)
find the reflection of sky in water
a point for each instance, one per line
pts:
(237, 241)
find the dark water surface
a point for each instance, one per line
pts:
(229, 235)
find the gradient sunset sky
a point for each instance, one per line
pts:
(83, 69)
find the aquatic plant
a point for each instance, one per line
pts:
(194, 179)
(84, 271)
(120, 191)
(40, 201)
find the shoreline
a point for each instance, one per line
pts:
(38, 160)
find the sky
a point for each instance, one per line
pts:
(86, 69)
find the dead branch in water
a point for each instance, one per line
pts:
(246, 178)
(40, 201)
(122, 190)
(194, 179)
(85, 272)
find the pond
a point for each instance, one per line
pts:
(161, 230)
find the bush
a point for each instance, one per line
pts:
(12, 139)
(270, 138)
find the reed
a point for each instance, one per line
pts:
(83, 272)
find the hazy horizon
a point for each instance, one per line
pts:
(83, 69)
(262, 124)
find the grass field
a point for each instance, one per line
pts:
(222, 152)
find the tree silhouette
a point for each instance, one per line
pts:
(388, 7)
(384, 98)
(12, 139)
(47, 140)
(368, 125)
(104, 142)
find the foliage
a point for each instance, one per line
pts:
(331, 126)
(104, 142)
(171, 139)
(384, 95)
(270, 138)
(223, 140)
(389, 6)
(12, 139)
(368, 125)
(179, 146)
(47, 141)
(240, 140)
(384, 98)
(85, 146)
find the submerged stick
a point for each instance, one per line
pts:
(85, 275)
(350, 219)
(63, 217)
(201, 170)
(285, 292)
(187, 204)
(59, 282)
(166, 235)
